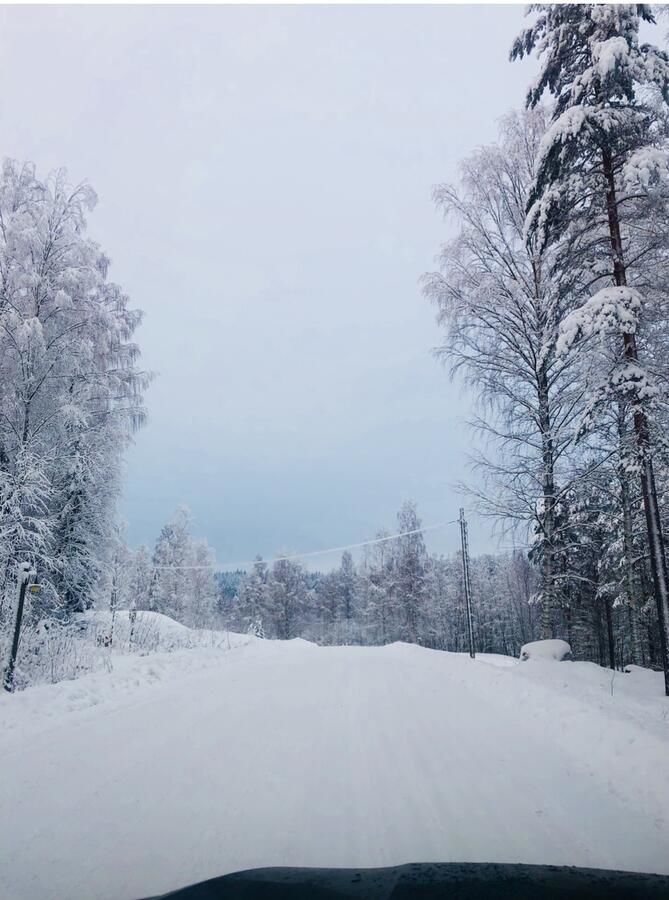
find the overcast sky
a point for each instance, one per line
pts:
(265, 178)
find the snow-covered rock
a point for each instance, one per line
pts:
(554, 649)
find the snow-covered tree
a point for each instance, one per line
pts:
(288, 596)
(117, 576)
(140, 578)
(201, 597)
(501, 302)
(602, 162)
(411, 566)
(376, 588)
(172, 558)
(253, 598)
(346, 590)
(70, 389)
(327, 607)
(182, 583)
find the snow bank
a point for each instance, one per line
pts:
(52, 652)
(497, 659)
(149, 631)
(165, 632)
(555, 649)
(121, 680)
(45, 706)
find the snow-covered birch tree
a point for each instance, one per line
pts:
(501, 303)
(70, 387)
(411, 567)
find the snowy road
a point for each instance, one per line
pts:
(288, 754)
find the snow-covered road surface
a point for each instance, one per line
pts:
(277, 754)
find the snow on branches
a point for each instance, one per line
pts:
(613, 310)
(646, 169)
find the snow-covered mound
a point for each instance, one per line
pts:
(553, 649)
(149, 630)
(497, 659)
(165, 631)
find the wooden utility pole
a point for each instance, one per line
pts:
(22, 584)
(467, 582)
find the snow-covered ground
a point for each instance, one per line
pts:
(177, 767)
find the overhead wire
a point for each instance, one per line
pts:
(312, 553)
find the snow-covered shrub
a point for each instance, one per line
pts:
(256, 629)
(50, 652)
(554, 649)
(144, 633)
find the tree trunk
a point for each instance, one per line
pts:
(631, 580)
(600, 635)
(609, 633)
(658, 562)
(549, 603)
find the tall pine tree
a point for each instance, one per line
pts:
(606, 87)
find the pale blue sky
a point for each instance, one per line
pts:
(265, 179)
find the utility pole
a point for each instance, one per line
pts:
(467, 582)
(22, 584)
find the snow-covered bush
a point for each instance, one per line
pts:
(555, 649)
(50, 652)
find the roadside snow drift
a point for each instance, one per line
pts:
(51, 652)
(177, 767)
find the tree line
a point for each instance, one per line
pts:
(396, 591)
(553, 300)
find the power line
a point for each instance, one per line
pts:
(379, 540)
